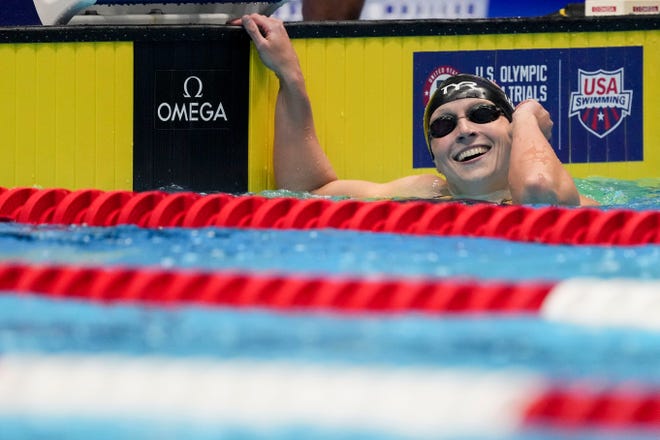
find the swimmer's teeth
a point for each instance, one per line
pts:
(471, 153)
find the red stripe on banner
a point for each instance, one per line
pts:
(584, 226)
(606, 119)
(278, 292)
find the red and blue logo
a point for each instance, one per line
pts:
(436, 77)
(601, 102)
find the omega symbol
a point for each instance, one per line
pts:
(200, 87)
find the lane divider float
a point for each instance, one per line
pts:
(617, 302)
(151, 209)
(411, 401)
(112, 284)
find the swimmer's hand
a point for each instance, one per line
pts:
(273, 44)
(532, 107)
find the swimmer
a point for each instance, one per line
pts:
(484, 147)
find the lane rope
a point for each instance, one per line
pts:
(414, 400)
(272, 291)
(627, 303)
(550, 225)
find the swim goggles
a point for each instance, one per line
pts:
(479, 113)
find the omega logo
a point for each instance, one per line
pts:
(200, 87)
(193, 108)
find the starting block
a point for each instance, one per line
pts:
(108, 12)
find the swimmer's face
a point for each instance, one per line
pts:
(474, 156)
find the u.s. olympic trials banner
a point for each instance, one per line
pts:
(594, 95)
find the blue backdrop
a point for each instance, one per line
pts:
(525, 8)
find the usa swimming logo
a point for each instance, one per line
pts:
(601, 102)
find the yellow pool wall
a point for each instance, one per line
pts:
(67, 113)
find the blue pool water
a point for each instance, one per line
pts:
(553, 350)
(110, 430)
(328, 252)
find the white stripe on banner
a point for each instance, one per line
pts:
(603, 302)
(411, 401)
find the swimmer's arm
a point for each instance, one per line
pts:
(536, 174)
(424, 186)
(298, 159)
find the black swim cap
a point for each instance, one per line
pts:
(463, 86)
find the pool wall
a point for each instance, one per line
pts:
(139, 108)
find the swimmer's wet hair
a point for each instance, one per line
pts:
(463, 86)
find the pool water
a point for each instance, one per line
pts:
(323, 252)
(553, 350)
(642, 194)
(85, 332)
(79, 369)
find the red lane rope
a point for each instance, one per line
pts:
(277, 291)
(552, 225)
(607, 408)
